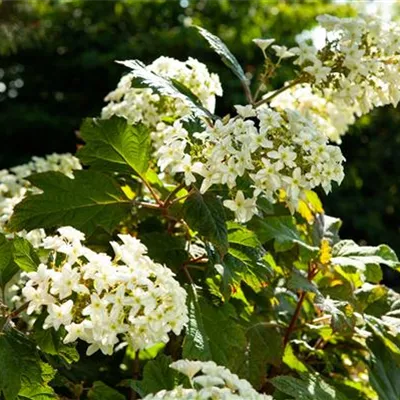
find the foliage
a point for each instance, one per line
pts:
(258, 295)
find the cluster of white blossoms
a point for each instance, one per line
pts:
(14, 186)
(208, 381)
(274, 150)
(104, 301)
(331, 118)
(149, 108)
(356, 71)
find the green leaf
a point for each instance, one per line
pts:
(369, 294)
(151, 352)
(222, 50)
(115, 145)
(213, 334)
(290, 359)
(186, 91)
(165, 87)
(297, 281)
(22, 373)
(282, 229)
(10, 369)
(238, 234)
(157, 375)
(206, 215)
(373, 273)
(197, 343)
(50, 342)
(341, 312)
(165, 249)
(244, 264)
(264, 346)
(326, 227)
(100, 391)
(384, 372)
(310, 387)
(88, 201)
(8, 268)
(348, 254)
(24, 255)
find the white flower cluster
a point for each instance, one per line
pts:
(103, 301)
(331, 118)
(208, 381)
(275, 150)
(356, 71)
(144, 105)
(14, 186)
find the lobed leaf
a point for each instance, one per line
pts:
(8, 268)
(264, 346)
(348, 254)
(212, 333)
(283, 230)
(157, 375)
(88, 201)
(115, 145)
(309, 387)
(206, 215)
(384, 372)
(22, 373)
(101, 391)
(24, 255)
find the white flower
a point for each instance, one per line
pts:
(186, 167)
(207, 381)
(263, 43)
(269, 119)
(66, 282)
(78, 331)
(246, 111)
(318, 71)
(37, 297)
(129, 299)
(243, 208)
(285, 156)
(58, 315)
(40, 276)
(188, 368)
(295, 183)
(211, 382)
(71, 234)
(282, 51)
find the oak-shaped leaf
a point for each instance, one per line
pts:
(115, 145)
(89, 200)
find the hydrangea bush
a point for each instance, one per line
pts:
(186, 255)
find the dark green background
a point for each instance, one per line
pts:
(64, 54)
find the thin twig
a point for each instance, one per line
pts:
(181, 198)
(19, 310)
(135, 375)
(294, 319)
(312, 272)
(196, 260)
(148, 205)
(169, 198)
(187, 273)
(151, 190)
(278, 92)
